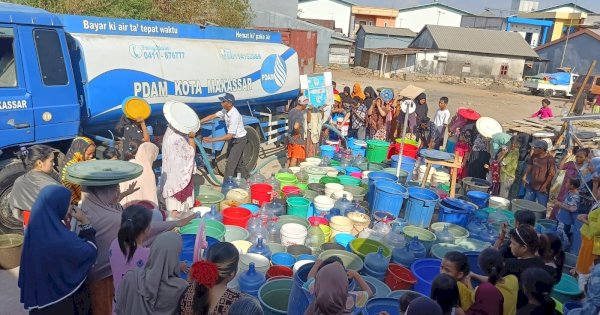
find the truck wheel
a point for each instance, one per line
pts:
(10, 172)
(548, 93)
(250, 155)
(535, 92)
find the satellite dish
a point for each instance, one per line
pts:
(408, 105)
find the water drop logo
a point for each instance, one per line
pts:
(273, 73)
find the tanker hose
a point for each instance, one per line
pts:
(263, 164)
(206, 161)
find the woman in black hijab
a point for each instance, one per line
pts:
(422, 109)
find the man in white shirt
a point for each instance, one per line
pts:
(236, 135)
(442, 116)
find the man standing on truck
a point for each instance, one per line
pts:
(236, 135)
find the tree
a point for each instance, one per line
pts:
(230, 13)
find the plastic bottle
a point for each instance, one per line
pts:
(343, 204)
(444, 236)
(259, 232)
(240, 182)
(256, 178)
(302, 177)
(251, 281)
(228, 184)
(213, 214)
(356, 207)
(260, 248)
(324, 161)
(274, 183)
(381, 229)
(395, 238)
(253, 224)
(274, 231)
(315, 238)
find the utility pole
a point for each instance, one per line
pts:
(562, 59)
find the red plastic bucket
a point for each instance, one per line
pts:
(261, 193)
(236, 216)
(26, 214)
(279, 271)
(399, 278)
(409, 150)
(290, 191)
(318, 220)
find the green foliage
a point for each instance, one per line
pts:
(231, 13)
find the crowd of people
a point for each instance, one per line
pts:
(108, 249)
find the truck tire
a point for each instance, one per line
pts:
(535, 92)
(250, 155)
(9, 173)
(548, 93)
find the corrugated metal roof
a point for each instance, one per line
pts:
(393, 51)
(390, 31)
(477, 41)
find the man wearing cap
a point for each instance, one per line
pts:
(236, 135)
(539, 173)
(296, 132)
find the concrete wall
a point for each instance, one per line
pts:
(328, 10)
(417, 18)
(581, 50)
(286, 7)
(483, 22)
(523, 29)
(339, 54)
(482, 66)
(392, 65)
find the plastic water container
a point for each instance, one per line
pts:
(228, 184)
(213, 214)
(404, 255)
(327, 151)
(420, 206)
(315, 238)
(388, 197)
(251, 281)
(343, 204)
(479, 198)
(455, 211)
(293, 234)
(425, 270)
(395, 238)
(376, 265)
(377, 176)
(444, 236)
(260, 248)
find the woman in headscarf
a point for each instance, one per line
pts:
(591, 304)
(422, 108)
(55, 261)
(39, 161)
(370, 96)
(357, 91)
(423, 306)
(144, 154)
(82, 149)
(478, 161)
(101, 204)
(178, 167)
(156, 288)
(377, 119)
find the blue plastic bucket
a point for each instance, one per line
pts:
(357, 150)
(306, 257)
(187, 249)
(250, 206)
(480, 198)
(376, 306)
(344, 239)
(352, 169)
(377, 176)
(571, 305)
(327, 151)
(425, 270)
(388, 197)
(545, 226)
(473, 258)
(420, 206)
(283, 259)
(408, 163)
(456, 212)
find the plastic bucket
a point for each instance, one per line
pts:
(242, 246)
(349, 180)
(208, 198)
(546, 226)
(439, 250)
(331, 246)
(290, 191)
(340, 224)
(252, 207)
(328, 180)
(283, 259)
(374, 167)
(499, 203)
(377, 306)
(479, 198)
(11, 246)
(235, 233)
(408, 163)
(284, 219)
(477, 184)
(274, 296)
(360, 221)
(236, 216)
(315, 174)
(213, 228)
(279, 271)
(26, 215)
(377, 150)
(350, 260)
(568, 306)
(343, 239)
(357, 150)
(378, 176)
(399, 278)
(318, 220)
(389, 197)
(363, 246)
(425, 236)
(459, 232)
(297, 250)
(522, 204)
(298, 206)
(425, 270)
(327, 151)
(323, 204)
(286, 179)
(567, 289)
(326, 231)
(420, 206)
(357, 192)
(399, 293)
(299, 297)
(306, 257)
(276, 248)
(261, 263)
(472, 244)
(454, 214)
(293, 234)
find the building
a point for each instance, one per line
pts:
(435, 13)
(337, 10)
(569, 7)
(485, 21)
(382, 17)
(563, 22)
(340, 49)
(372, 37)
(582, 49)
(388, 61)
(535, 32)
(524, 6)
(471, 52)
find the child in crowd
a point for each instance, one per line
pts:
(456, 265)
(552, 253)
(491, 262)
(423, 306)
(441, 119)
(131, 129)
(405, 300)
(545, 111)
(444, 291)
(568, 208)
(509, 162)
(111, 154)
(537, 285)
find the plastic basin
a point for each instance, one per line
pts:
(276, 248)
(425, 236)
(522, 204)
(439, 250)
(283, 259)
(567, 289)
(351, 261)
(425, 270)
(399, 278)
(379, 288)
(363, 246)
(459, 232)
(349, 180)
(213, 228)
(236, 216)
(274, 295)
(472, 244)
(377, 306)
(208, 198)
(479, 198)
(235, 233)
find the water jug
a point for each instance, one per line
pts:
(395, 238)
(401, 223)
(417, 248)
(241, 182)
(381, 229)
(274, 231)
(488, 234)
(358, 160)
(343, 204)
(251, 281)
(274, 183)
(260, 231)
(332, 213)
(302, 177)
(324, 161)
(260, 248)
(213, 214)
(366, 233)
(254, 223)
(376, 264)
(444, 236)
(256, 178)
(356, 207)
(275, 208)
(338, 156)
(475, 227)
(315, 238)
(228, 184)
(403, 255)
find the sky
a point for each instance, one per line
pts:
(475, 6)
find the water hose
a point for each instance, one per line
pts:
(206, 161)
(263, 164)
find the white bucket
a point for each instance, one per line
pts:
(304, 165)
(340, 224)
(293, 234)
(422, 170)
(301, 263)
(261, 263)
(313, 160)
(201, 210)
(440, 177)
(295, 169)
(499, 202)
(336, 195)
(333, 187)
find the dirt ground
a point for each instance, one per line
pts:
(501, 104)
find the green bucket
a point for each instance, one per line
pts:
(283, 219)
(235, 233)
(567, 289)
(274, 296)
(214, 228)
(425, 236)
(286, 179)
(298, 206)
(334, 163)
(349, 180)
(377, 151)
(304, 187)
(363, 246)
(407, 141)
(358, 193)
(373, 167)
(329, 180)
(208, 198)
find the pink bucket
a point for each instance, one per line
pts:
(356, 174)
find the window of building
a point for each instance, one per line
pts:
(385, 24)
(362, 22)
(50, 57)
(504, 69)
(370, 22)
(8, 68)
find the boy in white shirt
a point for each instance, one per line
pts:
(442, 116)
